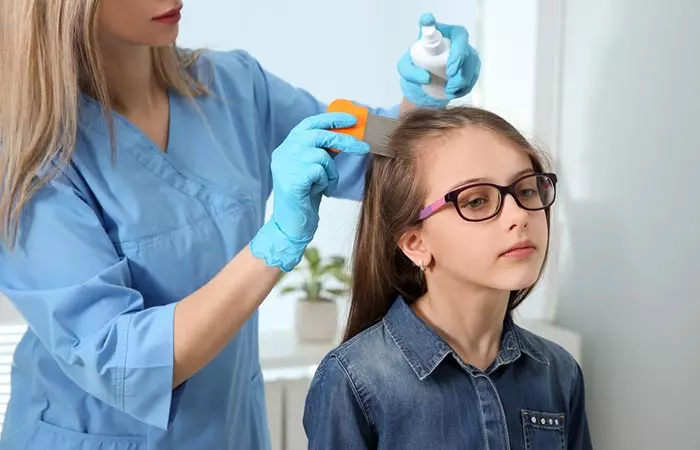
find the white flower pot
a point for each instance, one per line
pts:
(316, 322)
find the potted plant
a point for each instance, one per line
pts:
(323, 282)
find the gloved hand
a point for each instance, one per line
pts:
(302, 172)
(463, 67)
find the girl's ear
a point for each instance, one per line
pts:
(415, 248)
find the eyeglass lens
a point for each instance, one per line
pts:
(481, 202)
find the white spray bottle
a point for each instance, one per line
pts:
(430, 52)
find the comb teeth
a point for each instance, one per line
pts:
(377, 133)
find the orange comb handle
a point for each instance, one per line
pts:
(360, 112)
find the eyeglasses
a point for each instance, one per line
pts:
(483, 201)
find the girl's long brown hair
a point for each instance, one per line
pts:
(392, 201)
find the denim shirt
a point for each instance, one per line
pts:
(398, 385)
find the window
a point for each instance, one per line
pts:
(9, 338)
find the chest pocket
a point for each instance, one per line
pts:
(173, 264)
(47, 436)
(543, 431)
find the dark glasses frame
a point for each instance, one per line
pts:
(452, 197)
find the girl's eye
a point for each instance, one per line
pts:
(527, 193)
(475, 203)
(477, 198)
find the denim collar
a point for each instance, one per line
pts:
(424, 349)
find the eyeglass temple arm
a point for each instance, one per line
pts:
(430, 209)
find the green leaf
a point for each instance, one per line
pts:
(328, 269)
(313, 290)
(290, 289)
(313, 257)
(336, 292)
(317, 272)
(342, 276)
(337, 261)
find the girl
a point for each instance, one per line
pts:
(135, 176)
(453, 235)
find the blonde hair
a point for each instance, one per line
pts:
(48, 56)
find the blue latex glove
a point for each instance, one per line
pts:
(302, 172)
(463, 67)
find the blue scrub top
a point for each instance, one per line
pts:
(110, 245)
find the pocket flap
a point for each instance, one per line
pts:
(552, 421)
(48, 436)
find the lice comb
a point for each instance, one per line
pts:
(371, 128)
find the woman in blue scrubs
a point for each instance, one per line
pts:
(135, 178)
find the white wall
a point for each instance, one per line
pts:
(507, 44)
(8, 314)
(517, 45)
(318, 45)
(629, 150)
